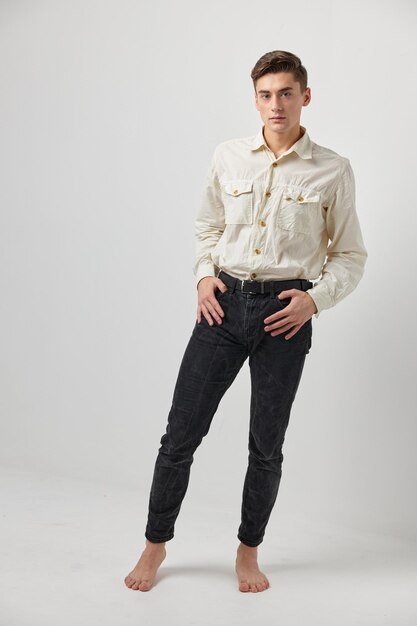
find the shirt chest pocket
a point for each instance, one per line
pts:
(299, 210)
(238, 201)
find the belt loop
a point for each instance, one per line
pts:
(272, 290)
(234, 283)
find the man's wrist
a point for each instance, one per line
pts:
(202, 278)
(315, 306)
(205, 270)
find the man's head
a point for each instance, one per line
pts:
(280, 83)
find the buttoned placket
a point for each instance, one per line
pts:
(259, 236)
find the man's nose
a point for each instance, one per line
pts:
(276, 105)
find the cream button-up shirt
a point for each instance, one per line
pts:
(267, 218)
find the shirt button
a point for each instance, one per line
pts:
(268, 193)
(257, 251)
(235, 191)
(262, 222)
(300, 199)
(274, 164)
(253, 275)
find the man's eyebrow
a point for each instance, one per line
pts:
(283, 89)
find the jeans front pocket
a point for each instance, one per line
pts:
(283, 302)
(304, 333)
(221, 294)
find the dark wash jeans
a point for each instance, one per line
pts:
(212, 359)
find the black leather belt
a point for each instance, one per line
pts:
(268, 286)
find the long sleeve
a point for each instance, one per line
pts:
(209, 224)
(346, 254)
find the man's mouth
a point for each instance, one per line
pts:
(277, 118)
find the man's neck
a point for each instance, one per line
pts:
(280, 143)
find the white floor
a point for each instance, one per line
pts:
(66, 546)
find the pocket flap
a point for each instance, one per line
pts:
(310, 197)
(301, 196)
(236, 187)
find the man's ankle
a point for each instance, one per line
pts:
(243, 546)
(154, 544)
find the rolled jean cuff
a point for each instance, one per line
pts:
(153, 540)
(251, 544)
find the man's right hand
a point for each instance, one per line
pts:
(208, 304)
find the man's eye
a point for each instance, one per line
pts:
(285, 93)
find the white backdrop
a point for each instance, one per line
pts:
(109, 114)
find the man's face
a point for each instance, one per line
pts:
(278, 95)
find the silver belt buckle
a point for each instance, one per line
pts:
(241, 287)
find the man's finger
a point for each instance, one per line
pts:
(293, 332)
(276, 330)
(215, 309)
(280, 324)
(283, 329)
(275, 316)
(211, 309)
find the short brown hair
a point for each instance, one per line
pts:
(280, 61)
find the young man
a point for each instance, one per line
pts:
(271, 204)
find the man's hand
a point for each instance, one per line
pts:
(300, 309)
(207, 301)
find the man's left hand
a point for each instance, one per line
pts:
(301, 308)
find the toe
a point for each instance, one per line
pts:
(244, 585)
(253, 588)
(145, 585)
(259, 586)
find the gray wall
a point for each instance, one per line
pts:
(109, 114)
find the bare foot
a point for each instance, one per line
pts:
(249, 575)
(143, 574)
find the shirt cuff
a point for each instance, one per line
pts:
(205, 269)
(320, 300)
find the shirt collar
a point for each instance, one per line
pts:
(303, 147)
